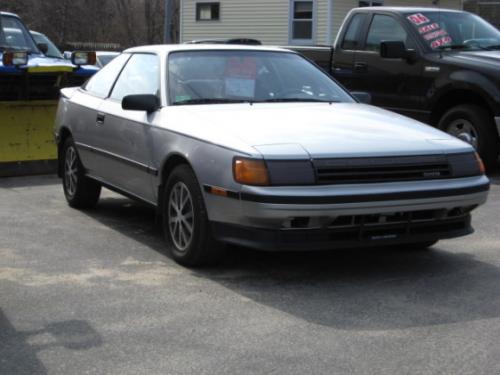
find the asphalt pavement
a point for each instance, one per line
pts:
(93, 292)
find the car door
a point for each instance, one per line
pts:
(85, 124)
(392, 83)
(126, 134)
(349, 41)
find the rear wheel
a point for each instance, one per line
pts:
(474, 125)
(79, 190)
(185, 221)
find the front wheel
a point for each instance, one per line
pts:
(474, 125)
(79, 190)
(185, 221)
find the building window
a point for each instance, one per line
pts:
(302, 21)
(207, 11)
(371, 3)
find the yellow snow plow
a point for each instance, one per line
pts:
(29, 89)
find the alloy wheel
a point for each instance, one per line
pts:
(70, 171)
(180, 216)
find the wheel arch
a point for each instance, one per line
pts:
(455, 97)
(170, 162)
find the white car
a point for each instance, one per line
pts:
(256, 146)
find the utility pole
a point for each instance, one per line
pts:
(167, 26)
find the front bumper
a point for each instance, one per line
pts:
(349, 236)
(350, 215)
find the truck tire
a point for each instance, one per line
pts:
(185, 221)
(79, 190)
(477, 123)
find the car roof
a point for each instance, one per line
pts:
(167, 48)
(9, 14)
(407, 9)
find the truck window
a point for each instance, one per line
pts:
(350, 41)
(384, 28)
(442, 30)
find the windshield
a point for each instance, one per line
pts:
(455, 30)
(206, 77)
(13, 35)
(52, 50)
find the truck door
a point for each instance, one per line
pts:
(393, 83)
(348, 42)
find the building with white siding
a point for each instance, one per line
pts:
(277, 22)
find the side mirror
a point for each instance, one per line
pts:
(146, 102)
(397, 50)
(362, 97)
(43, 47)
(393, 50)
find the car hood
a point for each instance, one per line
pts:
(489, 59)
(317, 130)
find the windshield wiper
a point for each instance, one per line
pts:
(493, 47)
(462, 46)
(291, 100)
(210, 101)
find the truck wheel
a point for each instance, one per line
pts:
(79, 190)
(185, 221)
(475, 124)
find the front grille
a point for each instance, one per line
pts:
(381, 169)
(398, 224)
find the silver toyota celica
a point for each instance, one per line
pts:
(258, 147)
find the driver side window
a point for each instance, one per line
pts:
(141, 75)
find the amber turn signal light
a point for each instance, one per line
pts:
(480, 164)
(250, 172)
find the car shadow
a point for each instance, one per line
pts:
(28, 181)
(357, 289)
(19, 356)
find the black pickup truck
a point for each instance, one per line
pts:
(441, 67)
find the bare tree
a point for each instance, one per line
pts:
(126, 22)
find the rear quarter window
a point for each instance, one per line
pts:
(101, 83)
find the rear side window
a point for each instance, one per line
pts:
(350, 41)
(100, 84)
(141, 75)
(383, 29)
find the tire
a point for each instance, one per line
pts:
(79, 190)
(184, 211)
(478, 123)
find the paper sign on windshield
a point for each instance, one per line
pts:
(441, 42)
(427, 28)
(435, 34)
(240, 77)
(418, 19)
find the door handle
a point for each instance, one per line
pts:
(360, 67)
(100, 118)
